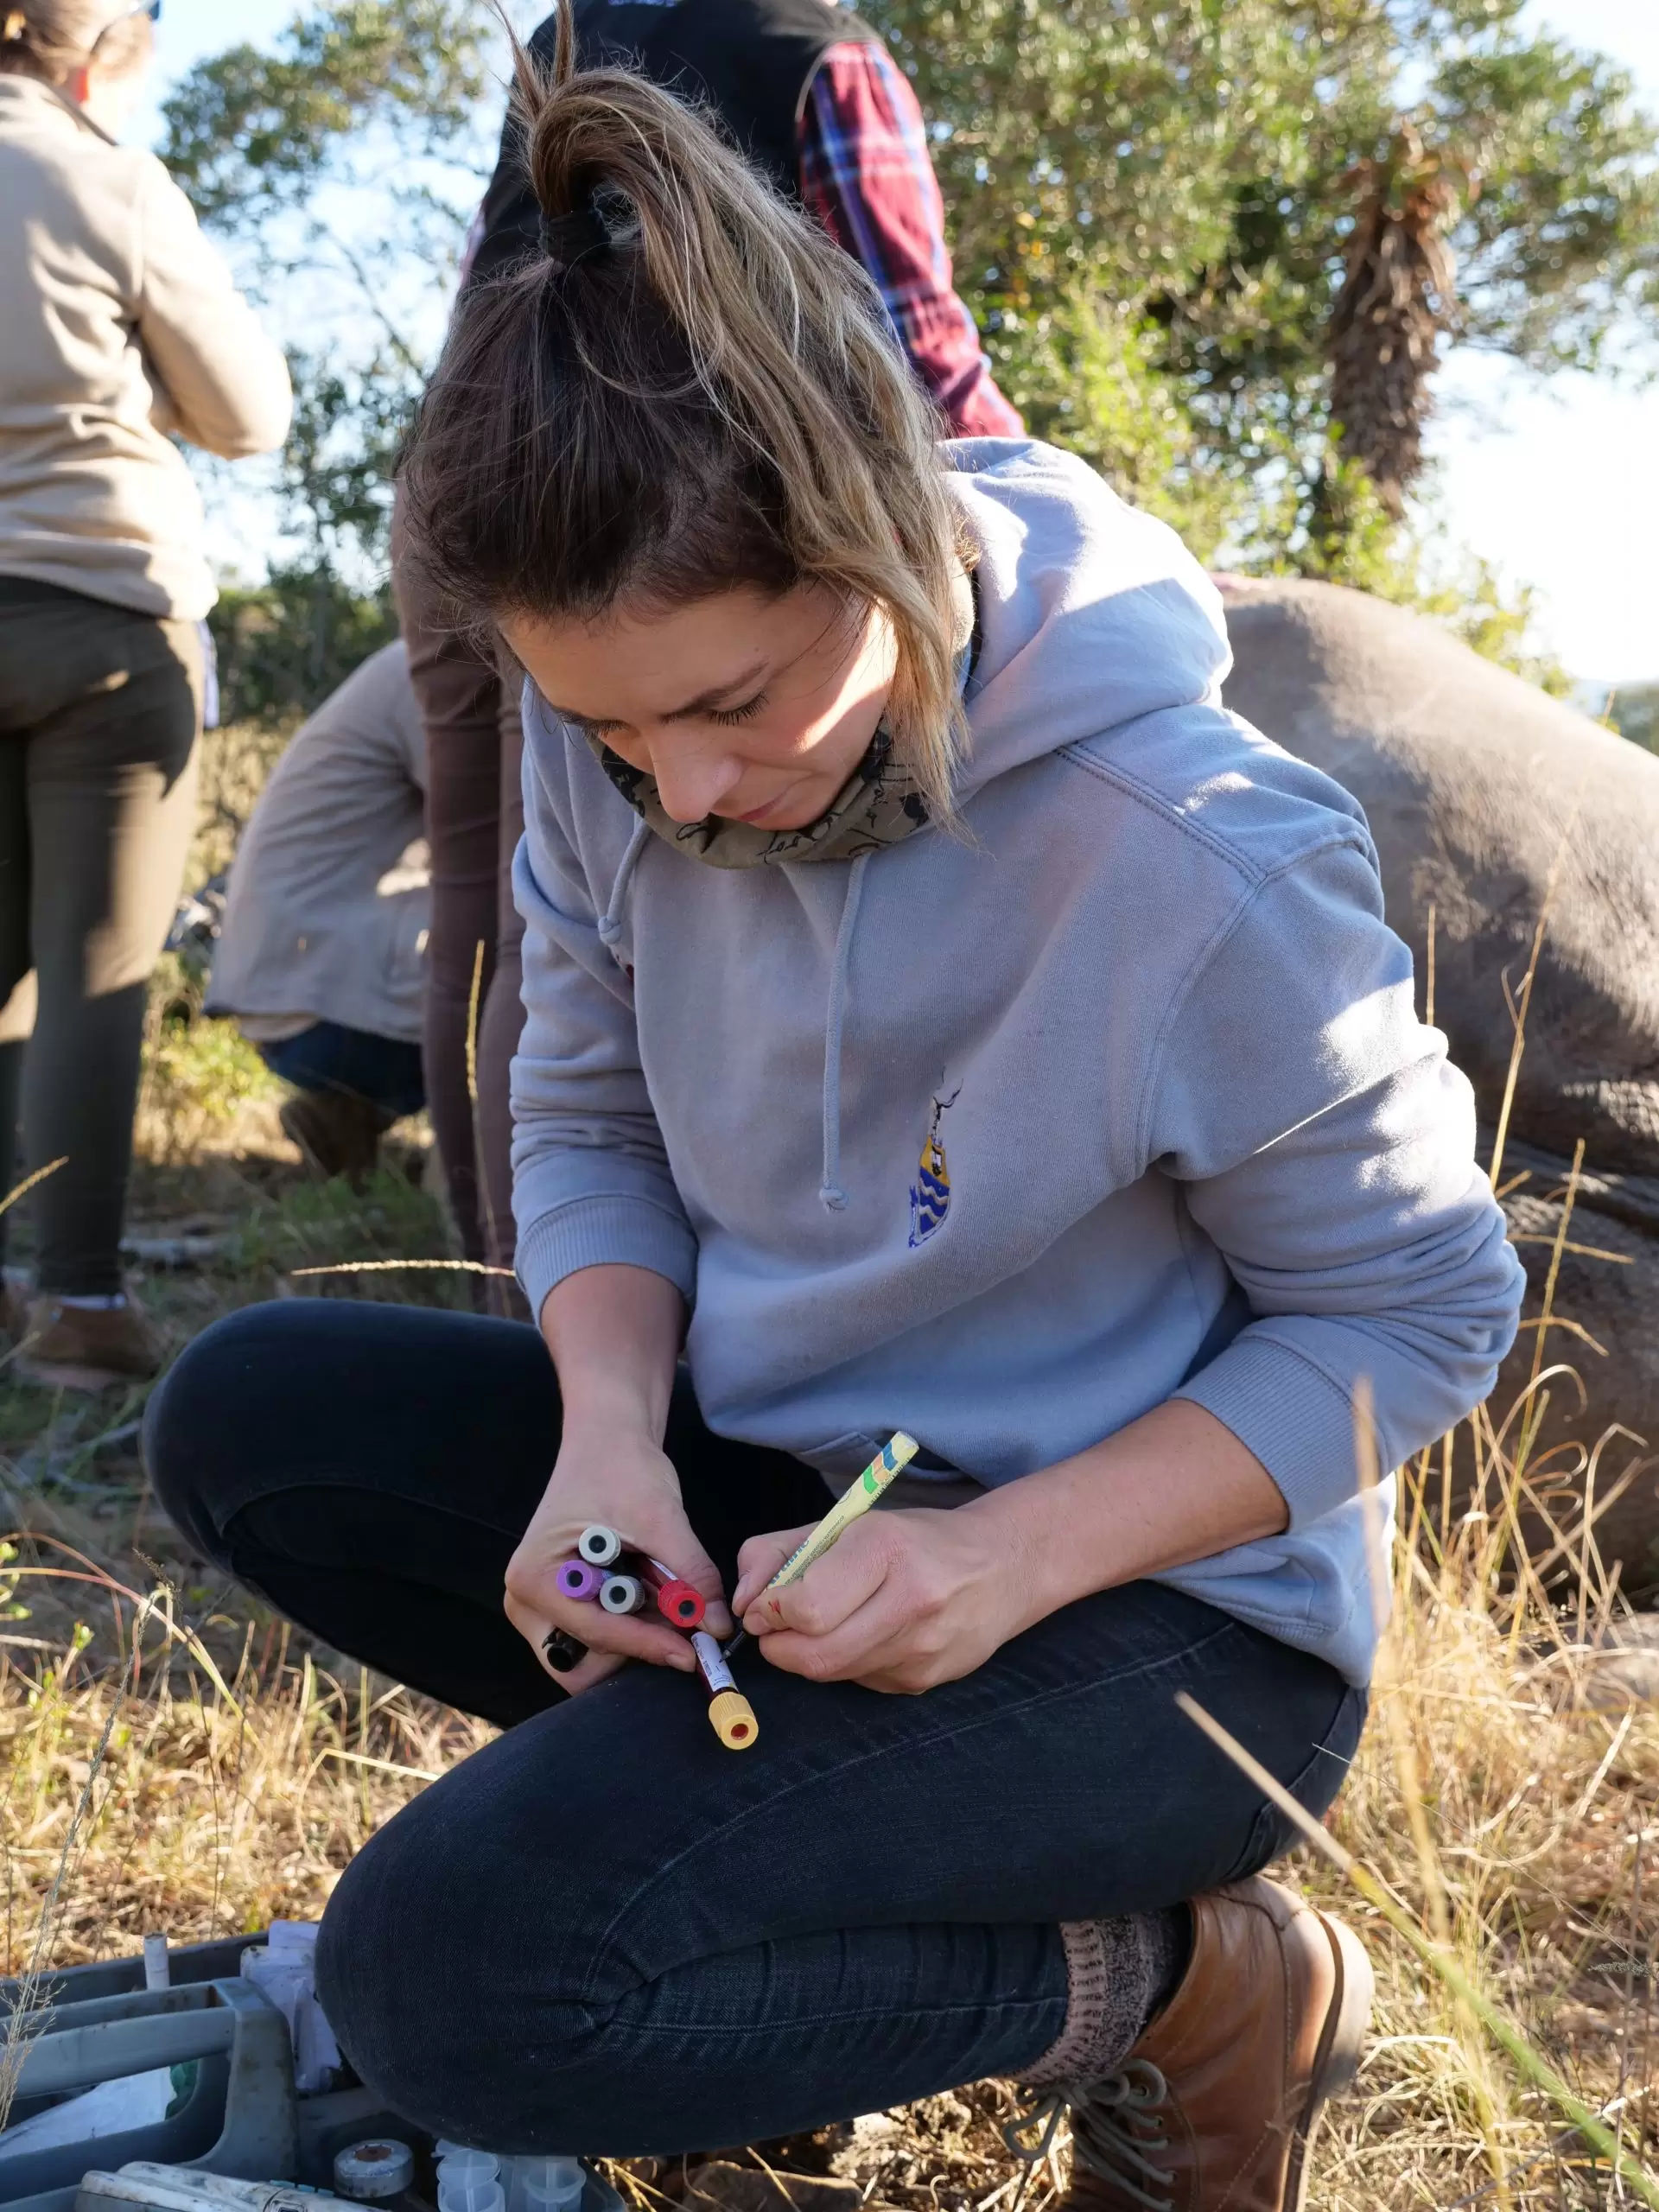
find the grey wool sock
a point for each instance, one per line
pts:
(1122, 1973)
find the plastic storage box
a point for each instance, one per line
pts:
(236, 2111)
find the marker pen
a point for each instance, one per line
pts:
(564, 1650)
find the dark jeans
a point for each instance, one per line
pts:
(606, 1933)
(99, 709)
(385, 1071)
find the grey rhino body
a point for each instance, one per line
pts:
(1479, 789)
(1471, 779)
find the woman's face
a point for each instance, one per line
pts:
(754, 708)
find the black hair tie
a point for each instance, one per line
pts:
(566, 238)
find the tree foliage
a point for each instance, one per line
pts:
(1634, 709)
(248, 133)
(342, 166)
(1154, 204)
(1217, 246)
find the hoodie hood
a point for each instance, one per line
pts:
(1095, 609)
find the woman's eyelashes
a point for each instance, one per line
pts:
(727, 716)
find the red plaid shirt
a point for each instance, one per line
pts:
(867, 176)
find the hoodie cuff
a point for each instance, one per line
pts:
(1299, 1423)
(599, 1232)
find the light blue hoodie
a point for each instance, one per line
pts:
(1004, 1141)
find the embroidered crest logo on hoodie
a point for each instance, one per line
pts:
(929, 1194)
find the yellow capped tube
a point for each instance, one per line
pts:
(732, 1718)
(730, 1715)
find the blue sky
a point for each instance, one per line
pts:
(1556, 482)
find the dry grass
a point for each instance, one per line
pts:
(211, 1771)
(215, 1800)
(1504, 1792)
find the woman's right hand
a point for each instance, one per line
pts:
(625, 1480)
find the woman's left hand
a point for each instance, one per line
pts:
(905, 1599)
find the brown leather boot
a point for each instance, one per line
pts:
(88, 1348)
(337, 1132)
(1215, 2109)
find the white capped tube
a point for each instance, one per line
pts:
(157, 1973)
(598, 1546)
(622, 1594)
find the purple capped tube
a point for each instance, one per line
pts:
(577, 1580)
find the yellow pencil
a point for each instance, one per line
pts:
(858, 1497)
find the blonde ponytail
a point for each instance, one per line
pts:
(690, 388)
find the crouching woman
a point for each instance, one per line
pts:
(941, 1015)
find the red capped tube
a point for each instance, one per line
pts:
(680, 1604)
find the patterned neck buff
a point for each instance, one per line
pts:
(878, 806)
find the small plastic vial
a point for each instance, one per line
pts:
(471, 2190)
(544, 2184)
(455, 2160)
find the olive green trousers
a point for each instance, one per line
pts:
(99, 711)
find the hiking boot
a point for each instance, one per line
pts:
(337, 1132)
(1217, 2105)
(88, 1347)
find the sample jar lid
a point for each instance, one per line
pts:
(379, 2167)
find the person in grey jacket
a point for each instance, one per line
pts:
(943, 1017)
(122, 333)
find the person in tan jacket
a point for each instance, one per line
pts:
(121, 331)
(321, 953)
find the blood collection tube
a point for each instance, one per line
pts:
(730, 1715)
(577, 1580)
(598, 1546)
(622, 1594)
(679, 1602)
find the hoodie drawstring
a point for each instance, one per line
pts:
(610, 922)
(831, 1197)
